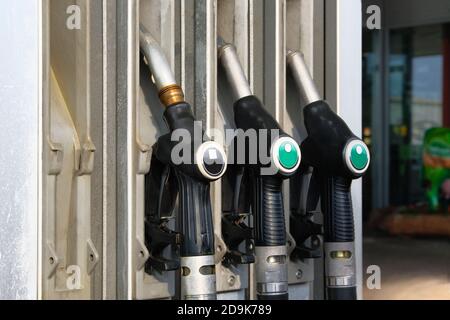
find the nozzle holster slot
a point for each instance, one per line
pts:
(304, 230)
(161, 191)
(235, 232)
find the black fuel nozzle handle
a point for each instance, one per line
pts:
(194, 163)
(267, 190)
(338, 157)
(266, 178)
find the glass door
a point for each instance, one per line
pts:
(416, 91)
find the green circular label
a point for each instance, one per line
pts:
(288, 155)
(359, 157)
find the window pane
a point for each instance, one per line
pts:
(415, 105)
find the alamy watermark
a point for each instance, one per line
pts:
(247, 147)
(373, 281)
(73, 281)
(373, 21)
(73, 21)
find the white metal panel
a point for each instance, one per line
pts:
(344, 88)
(304, 32)
(20, 103)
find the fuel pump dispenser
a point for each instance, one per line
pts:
(190, 179)
(338, 157)
(267, 196)
(115, 191)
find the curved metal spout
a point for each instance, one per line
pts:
(302, 77)
(230, 62)
(170, 93)
(157, 62)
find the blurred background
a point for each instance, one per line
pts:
(406, 123)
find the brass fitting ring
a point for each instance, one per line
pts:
(171, 95)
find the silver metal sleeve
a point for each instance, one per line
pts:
(271, 270)
(340, 264)
(157, 62)
(198, 278)
(302, 77)
(235, 74)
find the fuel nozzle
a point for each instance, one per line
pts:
(229, 61)
(328, 134)
(170, 93)
(267, 198)
(200, 162)
(338, 157)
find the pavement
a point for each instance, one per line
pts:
(411, 269)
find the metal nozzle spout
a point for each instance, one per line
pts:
(302, 77)
(235, 74)
(170, 92)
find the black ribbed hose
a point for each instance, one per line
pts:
(270, 227)
(194, 216)
(336, 202)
